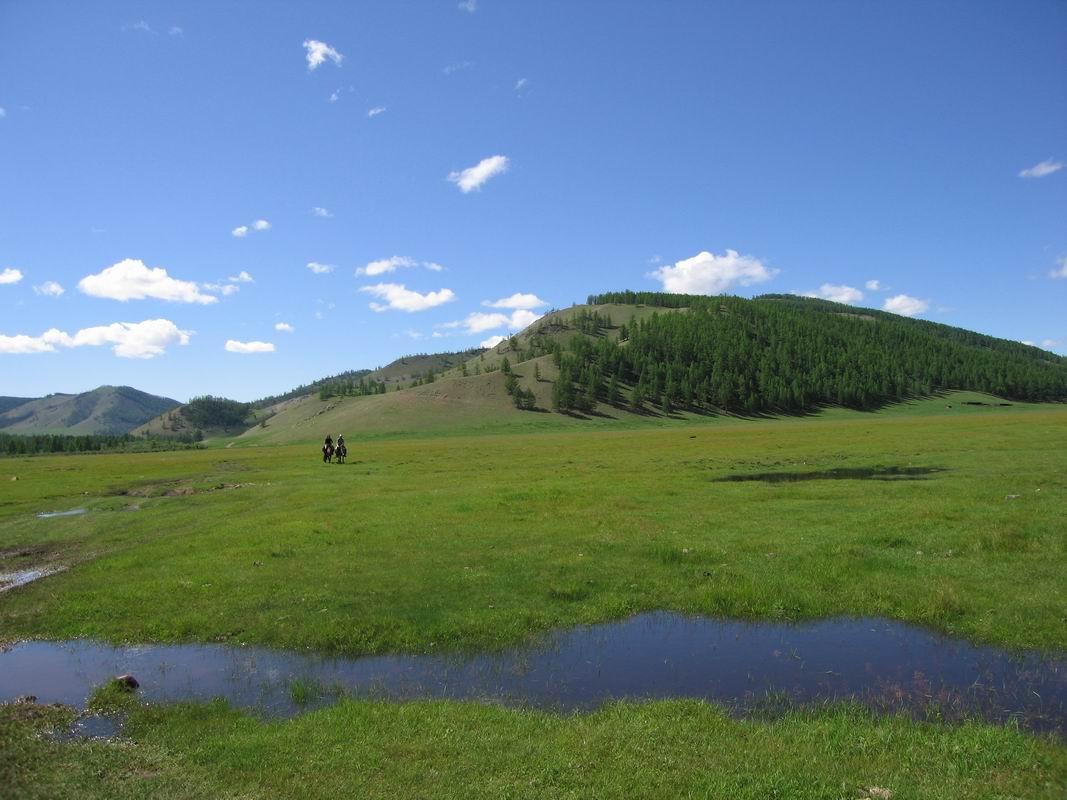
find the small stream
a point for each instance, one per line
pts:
(884, 665)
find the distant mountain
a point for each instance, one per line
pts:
(107, 409)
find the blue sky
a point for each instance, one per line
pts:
(175, 168)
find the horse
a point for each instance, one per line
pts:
(327, 453)
(341, 453)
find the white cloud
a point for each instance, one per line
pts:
(384, 265)
(241, 231)
(376, 111)
(905, 305)
(523, 319)
(284, 327)
(873, 285)
(492, 341)
(838, 294)
(1042, 169)
(706, 273)
(234, 346)
(130, 279)
(1050, 344)
(393, 263)
(457, 67)
(175, 30)
(1027, 342)
(3, 113)
(324, 213)
(481, 321)
(140, 25)
(21, 344)
(226, 289)
(146, 339)
(241, 277)
(320, 269)
(10, 275)
(49, 289)
(517, 300)
(334, 96)
(520, 84)
(318, 52)
(470, 6)
(1059, 272)
(399, 298)
(473, 177)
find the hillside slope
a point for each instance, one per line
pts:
(660, 358)
(7, 403)
(105, 410)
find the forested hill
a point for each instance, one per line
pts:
(789, 353)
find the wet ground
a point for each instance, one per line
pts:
(49, 514)
(887, 666)
(12, 580)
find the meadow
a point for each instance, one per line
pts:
(462, 543)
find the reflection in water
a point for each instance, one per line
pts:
(884, 665)
(839, 474)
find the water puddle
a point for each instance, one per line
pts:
(50, 514)
(91, 726)
(887, 666)
(12, 580)
(840, 474)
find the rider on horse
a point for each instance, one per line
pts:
(327, 449)
(341, 451)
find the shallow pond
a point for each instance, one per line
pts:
(887, 666)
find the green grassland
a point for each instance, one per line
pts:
(477, 541)
(483, 538)
(466, 750)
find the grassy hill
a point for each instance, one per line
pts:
(407, 370)
(7, 403)
(634, 359)
(775, 355)
(105, 410)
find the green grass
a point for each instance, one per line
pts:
(473, 542)
(460, 542)
(447, 750)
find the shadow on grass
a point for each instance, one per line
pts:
(892, 473)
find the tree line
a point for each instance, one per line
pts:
(781, 353)
(31, 444)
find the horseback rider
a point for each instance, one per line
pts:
(341, 450)
(327, 449)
